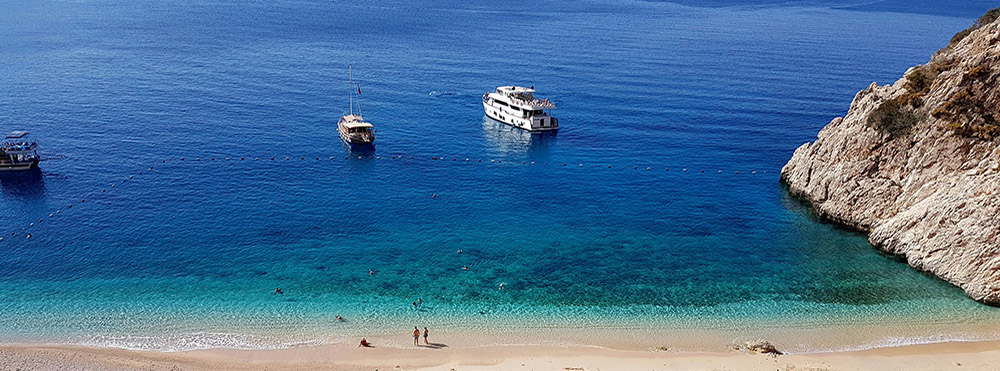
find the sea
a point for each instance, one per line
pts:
(192, 166)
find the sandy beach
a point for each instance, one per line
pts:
(939, 356)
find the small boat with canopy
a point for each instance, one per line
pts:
(18, 153)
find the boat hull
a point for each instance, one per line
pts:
(518, 122)
(19, 166)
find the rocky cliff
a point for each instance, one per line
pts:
(916, 164)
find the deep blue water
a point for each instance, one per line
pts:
(726, 90)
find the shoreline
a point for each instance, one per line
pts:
(981, 355)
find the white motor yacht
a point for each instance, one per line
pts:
(518, 107)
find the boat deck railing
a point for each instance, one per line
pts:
(534, 102)
(18, 146)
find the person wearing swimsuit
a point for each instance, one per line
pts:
(425, 336)
(416, 336)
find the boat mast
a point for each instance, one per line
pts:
(350, 81)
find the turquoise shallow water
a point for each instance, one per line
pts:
(186, 255)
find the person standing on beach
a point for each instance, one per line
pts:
(425, 336)
(416, 335)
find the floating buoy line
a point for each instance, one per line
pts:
(25, 231)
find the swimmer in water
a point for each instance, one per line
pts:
(277, 291)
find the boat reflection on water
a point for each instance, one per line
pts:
(355, 150)
(503, 139)
(27, 184)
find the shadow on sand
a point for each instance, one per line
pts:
(434, 345)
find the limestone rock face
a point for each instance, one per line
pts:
(930, 193)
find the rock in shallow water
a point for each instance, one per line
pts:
(762, 346)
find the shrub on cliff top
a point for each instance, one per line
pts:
(986, 19)
(919, 81)
(893, 117)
